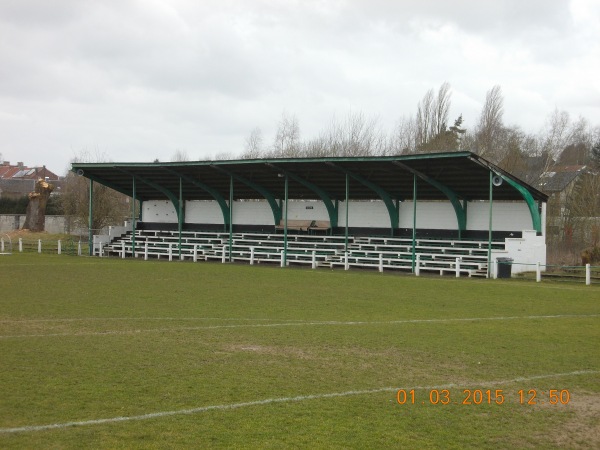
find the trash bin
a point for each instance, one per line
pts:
(504, 267)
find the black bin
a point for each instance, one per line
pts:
(504, 267)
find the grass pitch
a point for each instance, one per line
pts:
(130, 354)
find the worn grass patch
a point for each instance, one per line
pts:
(241, 356)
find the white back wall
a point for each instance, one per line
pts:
(161, 211)
(430, 215)
(506, 216)
(252, 213)
(307, 210)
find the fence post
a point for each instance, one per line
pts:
(418, 265)
(251, 256)
(59, 247)
(314, 259)
(146, 251)
(195, 259)
(123, 249)
(588, 275)
(223, 255)
(79, 249)
(346, 263)
(20, 245)
(39, 246)
(170, 252)
(380, 262)
(2, 245)
(282, 258)
(538, 272)
(457, 267)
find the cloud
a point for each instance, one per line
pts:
(140, 79)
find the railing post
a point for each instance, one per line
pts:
(20, 245)
(223, 255)
(146, 251)
(79, 248)
(123, 249)
(282, 258)
(538, 272)
(457, 267)
(195, 258)
(251, 256)
(380, 262)
(588, 275)
(59, 247)
(418, 265)
(39, 246)
(2, 245)
(170, 252)
(346, 263)
(314, 259)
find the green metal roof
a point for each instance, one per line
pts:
(464, 174)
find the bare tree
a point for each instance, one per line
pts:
(490, 126)
(287, 138)
(254, 144)
(109, 207)
(431, 120)
(180, 156)
(404, 137)
(442, 109)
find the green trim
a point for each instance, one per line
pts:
(384, 195)
(91, 219)
(268, 195)
(414, 230)
(214, 193)
(459, 208)
(536, 218)
(347, 213)
(180, 214)
(332, 210)
(491, 200)
(133, 217)
(285, 220)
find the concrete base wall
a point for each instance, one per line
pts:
(54, 224)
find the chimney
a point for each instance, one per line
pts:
(20, 165)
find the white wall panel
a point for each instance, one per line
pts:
(161, 211)
(202, 211)
(252, 213)
(307, 210)
(430, 215)
(506, 216)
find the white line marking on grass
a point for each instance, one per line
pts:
(268, 401)
(297, 324)
(100, 319)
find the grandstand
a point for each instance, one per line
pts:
(446, 213)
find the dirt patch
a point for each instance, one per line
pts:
(583, 429)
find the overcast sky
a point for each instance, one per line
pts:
(139, 80)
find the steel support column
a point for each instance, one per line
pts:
(91, 220)
(285, 221)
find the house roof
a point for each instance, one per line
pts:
(560, 177)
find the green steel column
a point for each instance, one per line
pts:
(180, 215)
(91, 219)
(230, 215)
(414, 230)
(489, 270)
(285, 222)
(347, 208)
(133, 218)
